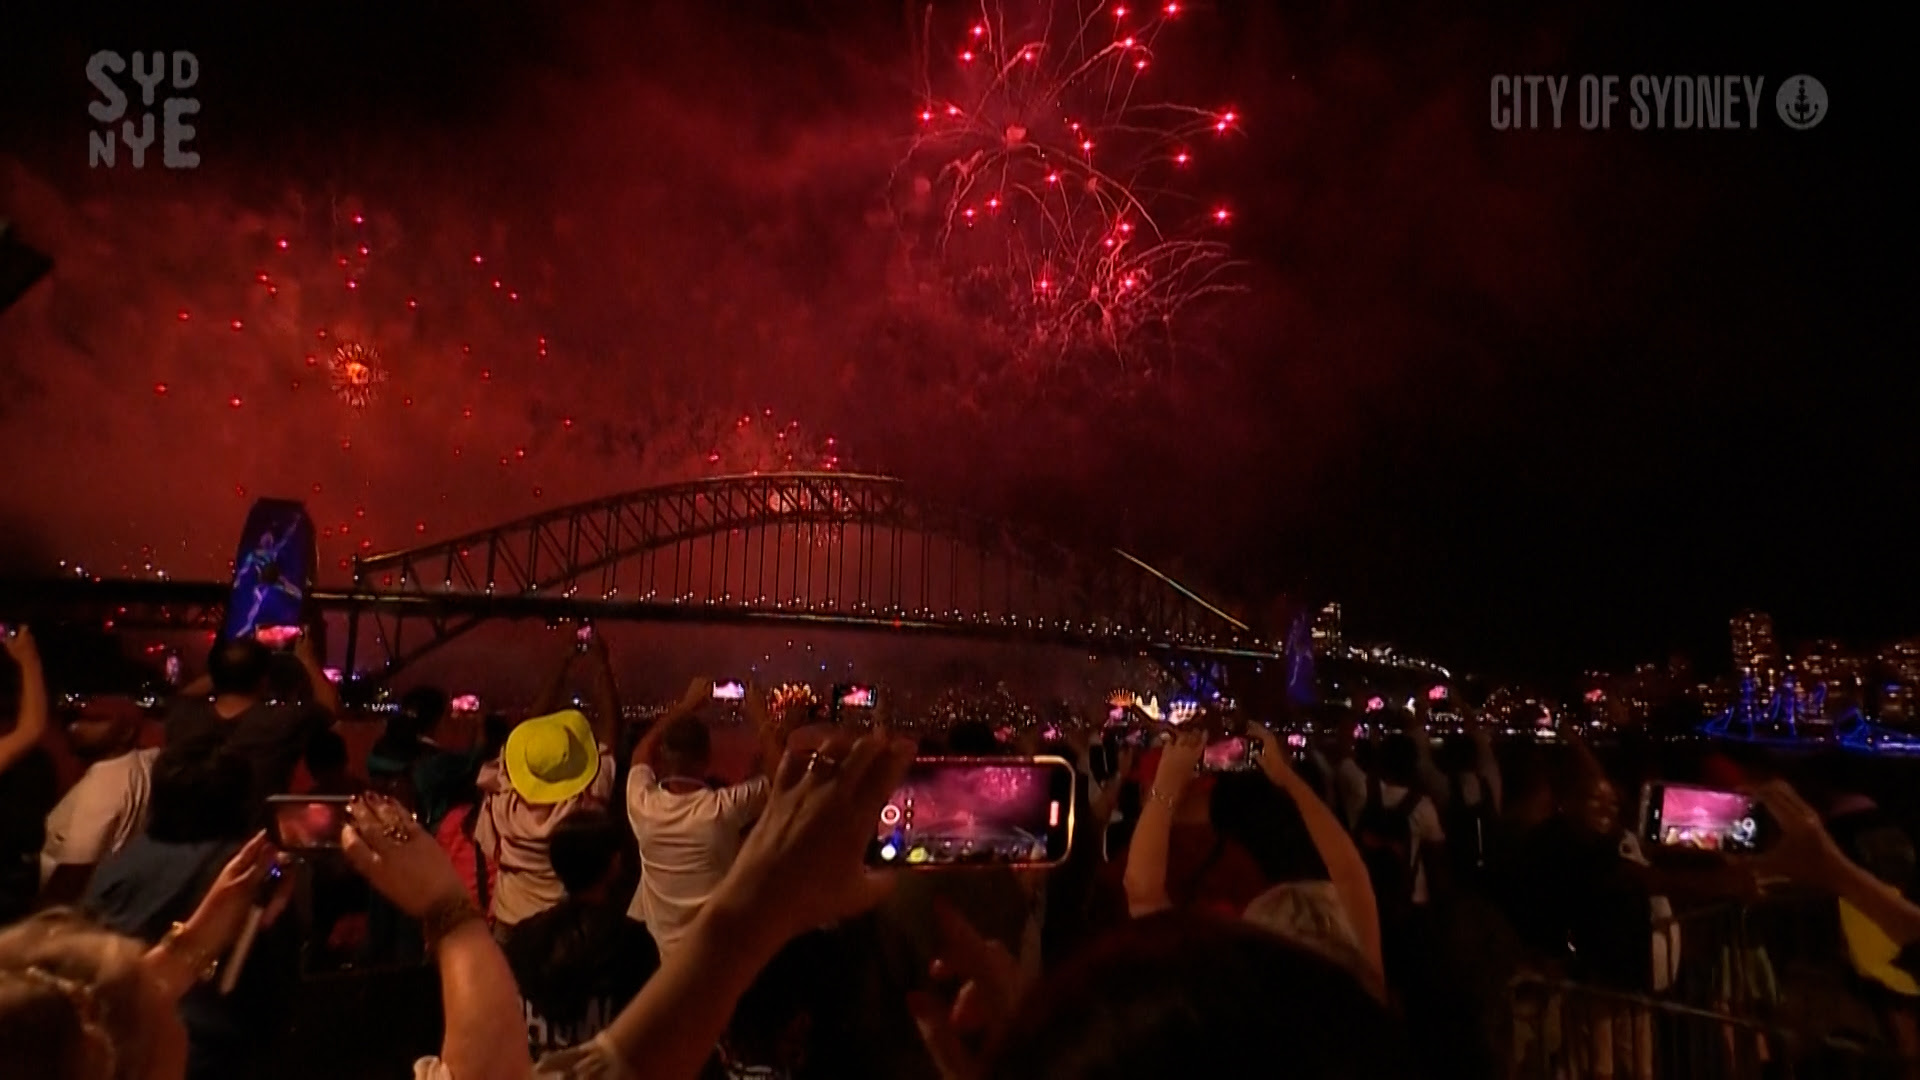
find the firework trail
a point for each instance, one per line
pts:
(1045, 182)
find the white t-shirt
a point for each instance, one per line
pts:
(1666, 931)
(688, 841)
(1423, 822)
(100, 814)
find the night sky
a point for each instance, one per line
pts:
(1528, 401)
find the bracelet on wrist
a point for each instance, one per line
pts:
(447, 915)
(204, 964)
(1156, 795)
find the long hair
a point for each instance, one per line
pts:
(70, 993)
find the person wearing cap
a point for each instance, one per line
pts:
(551, 767)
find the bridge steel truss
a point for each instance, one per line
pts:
(819, 550)
(827, 550)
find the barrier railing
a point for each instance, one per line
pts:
(1569, 1031)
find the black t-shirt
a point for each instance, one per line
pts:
(272, 738)
(28, 793)
(1570, 896)
(577, 966)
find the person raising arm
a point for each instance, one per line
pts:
(1146, 875)
(1345, 868)
(31, 722)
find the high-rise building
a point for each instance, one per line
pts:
(1756, 654)
(1326, 630)
(1900, 690)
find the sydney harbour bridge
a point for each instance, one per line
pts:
(828, 551)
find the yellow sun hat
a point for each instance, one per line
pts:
(552, 758)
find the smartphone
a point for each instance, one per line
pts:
(1703, 819)
(171, 670)
(1438, 693)
(851, 697)
(465, 703)
(273, 570)
(1234, 754)
(970, 812)
(729, 691)
(583, 638)
(1181, 710)
(308, 822)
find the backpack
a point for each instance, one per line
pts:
(1384, 835)
(1469, 827)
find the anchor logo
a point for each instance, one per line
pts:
(1802, 102)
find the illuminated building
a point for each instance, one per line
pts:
(1900, 682)
(1756, 654)
(1326, 630)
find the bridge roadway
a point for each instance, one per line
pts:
(155, 604)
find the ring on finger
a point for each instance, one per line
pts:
(822, 763)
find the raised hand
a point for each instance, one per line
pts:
(804, 864)
(398, 857)
(21, 646)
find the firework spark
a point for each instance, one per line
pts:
(1043, 182)
(760, 443)
(356, 373)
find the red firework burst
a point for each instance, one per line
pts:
(357, 373)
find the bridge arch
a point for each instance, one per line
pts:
(827, 550)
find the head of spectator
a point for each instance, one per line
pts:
(327, 759)
(1398, 760)
(240, 668)
(79, 1001)
(686, 749)
(1191, 995)
(550, 759)
(422, 710)
(103, 728)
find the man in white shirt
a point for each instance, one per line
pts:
(689, 832)
(109, 804)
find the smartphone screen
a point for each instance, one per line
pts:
(1182, 710)
(729, 691)
(308, 822)
(1236, 754)
(977, 812)
(583, 638)
(1701, 819)
(851, 699)
(171, 670)
(272, 574)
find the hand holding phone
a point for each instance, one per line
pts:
(959, 812)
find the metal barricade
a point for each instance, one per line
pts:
(1761, 990)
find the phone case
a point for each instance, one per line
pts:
(273, 569)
